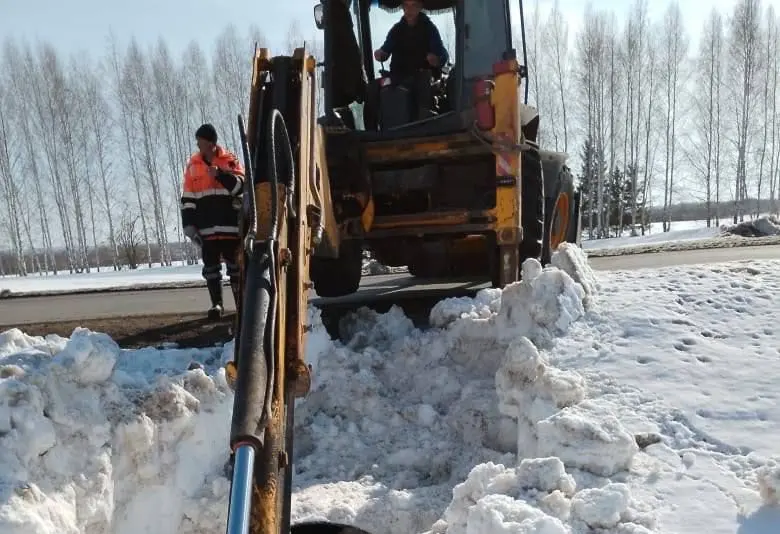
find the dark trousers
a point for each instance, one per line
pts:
(213, 252)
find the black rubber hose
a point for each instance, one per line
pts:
(525, 53)
(249, 186)
(253, 382)
(276, 120)
(256, 373)
(276, 126)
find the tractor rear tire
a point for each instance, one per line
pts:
(532, 205)
(560, 207)
(337, 277)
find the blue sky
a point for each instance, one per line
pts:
(79, 25)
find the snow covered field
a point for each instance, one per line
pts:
(571, 402)
(681, 232)
(105, 279)
(178, 274)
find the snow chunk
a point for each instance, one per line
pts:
(540, 307)
(601, 507)
(484, 304)
(572, 260)
(530, 390)
(584, 437)
(546, 474)
(89, 357)
(553, 420)
(486, 502)
(14, 342)
(501, 514)
(769, 483)
(536, 497)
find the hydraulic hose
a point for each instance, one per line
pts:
(248, 189)
(269, 163)
(276, 127)
(256, 355)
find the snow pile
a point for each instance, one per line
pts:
(97, 439)
(767, 225)
(463, 428)
(542, 306)
(409, 414)
(552, 418)
(538, 496)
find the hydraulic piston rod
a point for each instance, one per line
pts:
(241, 490)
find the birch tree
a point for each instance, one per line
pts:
(704, 154)
(145, 129)
(556, 43)
(675, 47)
(10, 181)
(19, 86)
(744, 49)
(126, 119)
(768, 69)
(100, 121)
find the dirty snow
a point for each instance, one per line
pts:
(571, 402)
(765, 226)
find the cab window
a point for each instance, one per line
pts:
(381, 21)
(485, 36)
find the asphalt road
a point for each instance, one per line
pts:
(15, 312)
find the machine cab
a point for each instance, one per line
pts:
(364, 95)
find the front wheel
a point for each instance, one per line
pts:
(560, 207)
(336, 277)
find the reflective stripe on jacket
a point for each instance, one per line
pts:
(209, 204)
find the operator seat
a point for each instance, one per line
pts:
(391, 103)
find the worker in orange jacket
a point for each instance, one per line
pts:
(210, 205)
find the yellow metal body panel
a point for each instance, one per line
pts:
(367, 217)
(320, 179)
(264, 207)
(417, 148)
(505, 102)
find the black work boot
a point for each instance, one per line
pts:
(215, 292)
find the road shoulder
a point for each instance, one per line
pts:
(190, 330)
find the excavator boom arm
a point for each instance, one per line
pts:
(268, 370)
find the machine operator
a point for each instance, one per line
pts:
(414, 43)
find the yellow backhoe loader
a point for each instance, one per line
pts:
(440, 172)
